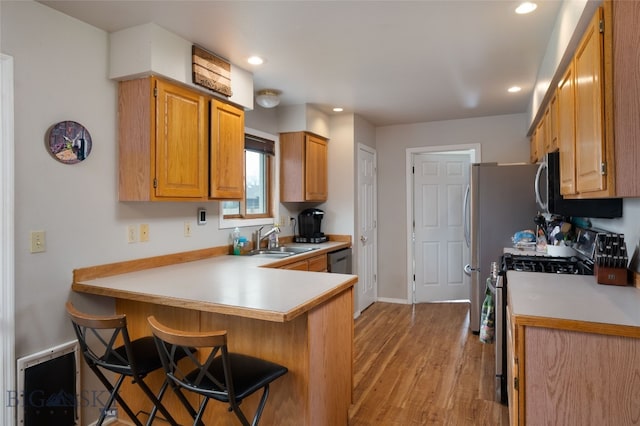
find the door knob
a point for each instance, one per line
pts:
(363, 239)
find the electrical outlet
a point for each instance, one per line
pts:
(131, 234)
(38, 242)
(144, 232)
(187, 229)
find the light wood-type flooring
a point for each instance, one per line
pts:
(420, 365)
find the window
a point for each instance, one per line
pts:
(259, 159)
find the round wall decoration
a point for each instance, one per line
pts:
(69, 142)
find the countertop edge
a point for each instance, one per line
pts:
(577, 325)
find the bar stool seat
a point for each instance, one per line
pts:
(105, 345)
(222, 376)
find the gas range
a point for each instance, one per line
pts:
(555, 265)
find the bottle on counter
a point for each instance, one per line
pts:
(235, 238)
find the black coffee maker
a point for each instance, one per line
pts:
(309, 227)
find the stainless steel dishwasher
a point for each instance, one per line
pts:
(339, 262)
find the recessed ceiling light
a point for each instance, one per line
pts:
(526, 7)
(338, 109)
(255, 60)
(514, 89)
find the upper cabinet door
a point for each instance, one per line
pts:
(590, 141)
(162, 142)
(566, 132)
(303, 167)
(226, 152)
(181, 142)
(316, 172)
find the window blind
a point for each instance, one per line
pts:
(258, 144)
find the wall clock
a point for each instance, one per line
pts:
(69, 142)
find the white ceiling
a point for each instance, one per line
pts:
(392, 62)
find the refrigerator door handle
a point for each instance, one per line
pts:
(466, 217)
(542, 204)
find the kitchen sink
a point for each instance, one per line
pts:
(282, 251)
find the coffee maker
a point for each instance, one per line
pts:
(309, 227)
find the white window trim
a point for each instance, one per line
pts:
(275, 194)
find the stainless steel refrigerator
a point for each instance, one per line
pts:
(500, 201)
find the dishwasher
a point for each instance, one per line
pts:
(339, 262)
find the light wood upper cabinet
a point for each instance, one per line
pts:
(626, 96)
(552, 124)
(599, 152)
(303, 167)
(589, 110)
(566, 132)
(162, 140)
(533, 153)
(542, 140)
(226, 160)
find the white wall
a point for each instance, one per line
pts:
(502, 139)
(61, 73)
(340, 207)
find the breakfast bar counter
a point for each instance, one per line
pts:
(302, 320)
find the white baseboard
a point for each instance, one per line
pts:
(390, 300)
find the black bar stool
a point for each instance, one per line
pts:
(98, 337)
(223, 376)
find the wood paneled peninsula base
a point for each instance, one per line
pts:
(302, 320)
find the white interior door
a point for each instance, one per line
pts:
(439, 187)
(367, 217)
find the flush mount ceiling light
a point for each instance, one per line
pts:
(526, 7)
(338, 109)
(255, 60)
(268, 98)
(514, 89)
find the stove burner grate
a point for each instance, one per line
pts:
(546, 264)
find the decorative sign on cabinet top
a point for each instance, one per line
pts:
(210, 71)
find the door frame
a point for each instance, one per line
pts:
(473, 150)
(372, 151)
(7, 256)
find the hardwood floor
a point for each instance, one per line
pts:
(420, 365)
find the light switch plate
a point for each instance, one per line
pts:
(38, 242)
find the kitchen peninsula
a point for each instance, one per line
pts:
(302, 320)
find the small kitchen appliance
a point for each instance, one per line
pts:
(549, 199)
(310, 227)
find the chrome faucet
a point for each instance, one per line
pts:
(258, 237)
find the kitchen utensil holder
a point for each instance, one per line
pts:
(611, 276)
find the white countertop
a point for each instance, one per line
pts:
(236, 285)
(572, 297)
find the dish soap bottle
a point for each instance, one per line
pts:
(235, 238)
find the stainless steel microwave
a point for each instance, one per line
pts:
(549, 200)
